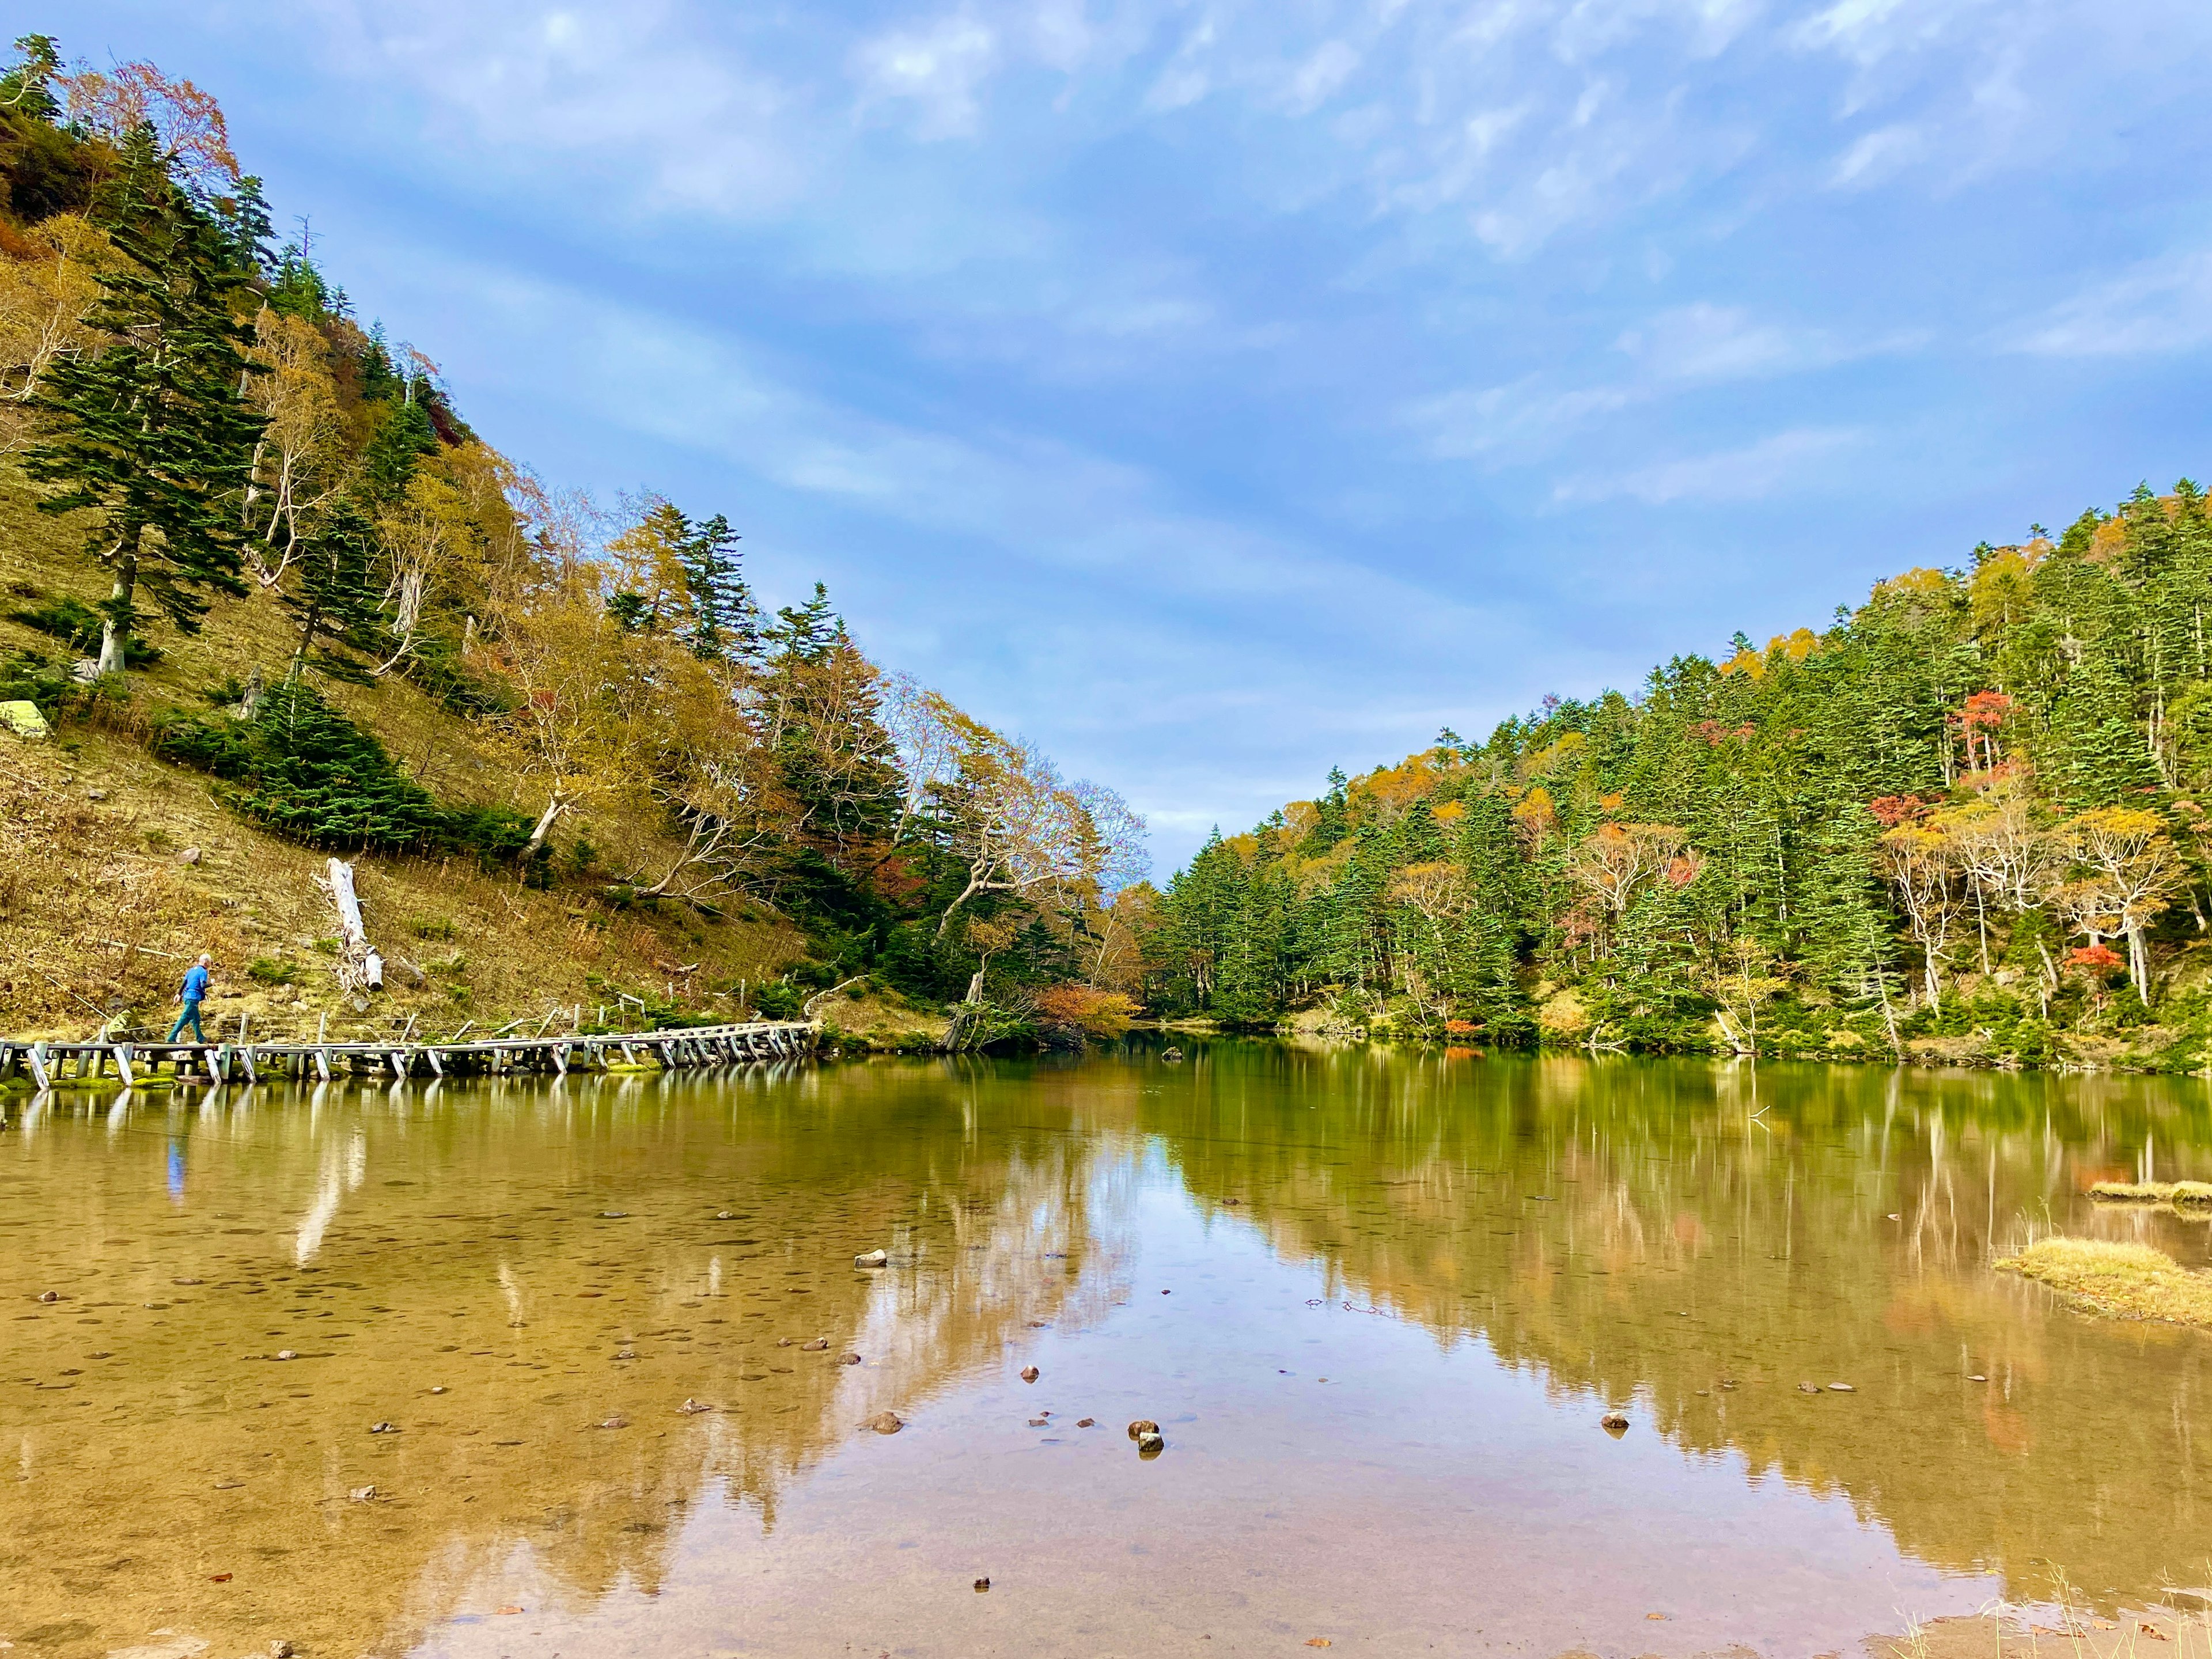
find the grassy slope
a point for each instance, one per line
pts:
(96, 907)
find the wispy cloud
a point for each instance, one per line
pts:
(1787, 463)
(2163, 305)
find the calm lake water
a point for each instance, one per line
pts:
(1378, 1301)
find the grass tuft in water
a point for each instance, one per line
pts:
(2131, 1281)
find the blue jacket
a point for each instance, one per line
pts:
(196, 984)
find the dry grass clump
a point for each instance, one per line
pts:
(2195, 1195)
(2130, 1281)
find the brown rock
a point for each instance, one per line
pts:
(1142, 1426)
(1614, 1424)
(819, 1345)
(982, 1584)
(884, 1423)
(1029, 1373)
(1151, 1445)
(361, 1494)
(1808, 1387)
(1086, 1422)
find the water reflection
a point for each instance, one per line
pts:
(502, 1271)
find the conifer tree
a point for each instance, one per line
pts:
(149, 430)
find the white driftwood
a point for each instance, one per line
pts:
(360, 955)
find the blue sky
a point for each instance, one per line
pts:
(1217, 392)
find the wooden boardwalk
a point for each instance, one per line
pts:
(51, 1065)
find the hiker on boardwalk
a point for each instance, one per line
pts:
(191, 995)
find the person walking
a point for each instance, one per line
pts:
(191, 995)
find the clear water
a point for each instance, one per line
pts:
(1377, 1301)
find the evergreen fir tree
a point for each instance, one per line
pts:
(148, 430)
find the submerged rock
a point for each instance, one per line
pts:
(1841, 1388)
(287, 1353)
(1142, 1426)
(849, 1359)
(693, 1406)
(1151, 1445)
(361, 1494)
(384, 1428)
(819, 1345)
(871, 1259)
(1614, 1424)
(1086, 1422)
(886, 1423)
(1808, 1387)
(982, 1584)
(1030, 1373)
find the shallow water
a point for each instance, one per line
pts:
(1378, 1301)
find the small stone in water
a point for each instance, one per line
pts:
(1029, 1373)
(282, 1650)
(1038, 1422)
(361, 1494)
(1841, 1388)
(783, 1342)
(50, 1296)
(886, 1423)
(816, 1345)
(441, 1389)
(1086, 1422)
(1143, 1425)
(613, 1215)
(694, 1406)
(286, 1353)
(1978, 1378)
(982, 1584)
(615, 1423)
(183, 1281)
(849, 1359)
(1149, 1445)
(384, 1428)
(871, 1259)
(725, 1215)
(1808, 1387)
(1613, 1424)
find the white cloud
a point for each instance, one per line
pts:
(1780, 464)
(2164, 305)
(1318, 79)
(940, 70)
(1876, 156)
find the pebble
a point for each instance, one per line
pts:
(817, 1345)
(849, 1359)
(1142, 1426)
(1808, 1387)
(384, 1428)
(189, 856)
(613, 1215)
(1978, 1378)
(1841, 1388)
(95, 794)
(871, 1259)
(1149, 1445)
(1086, 1422)
(50, 1296)
(886, 1423)
(1030, 1373)
(1613, 1424)
(615, 1423)
(282, 1650)
(437, 1390)
(361, 1494)
(783, 1342)
(287, 1353)
(1039, 1422)
(725, 1215)
(1728, 1383)
(982, 1584)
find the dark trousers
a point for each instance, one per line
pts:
(191, 1017)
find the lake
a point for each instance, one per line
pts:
(1378, 1300)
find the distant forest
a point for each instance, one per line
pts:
(1963, 821)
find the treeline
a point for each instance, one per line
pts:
(229, 449)
(1963, 818)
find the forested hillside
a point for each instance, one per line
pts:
(1962, 821)
(253, 547)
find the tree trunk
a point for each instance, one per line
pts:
(115, 626)
(2139, 964)
(554, 808)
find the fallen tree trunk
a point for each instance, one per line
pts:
(358, 961)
